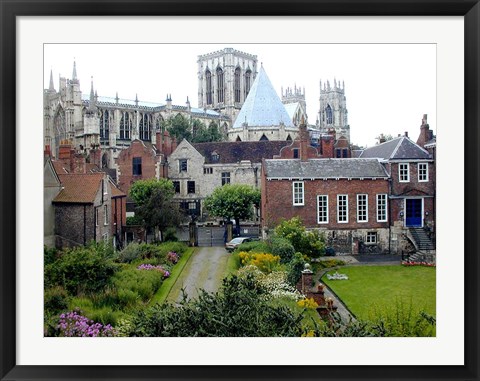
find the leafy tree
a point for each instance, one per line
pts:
(233, 201)
(202, 133)
(178, 127)
(155, 204)
(309, 243)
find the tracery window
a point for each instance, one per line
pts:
(145, 127)
(329, 113)
(125, 126)
(104, 125)
(220, 84)
(237, 85)
(209, 91)
(248, 81)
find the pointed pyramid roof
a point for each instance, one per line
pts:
(262, 107)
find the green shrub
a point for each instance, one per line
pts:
(255, 247)
(129, 253)
(295, 268)
(309, 243)
(49, 255)
(134, 221)
(170, 235)
(142, 282)
(81, 270)
(283, 248)
(55, 299)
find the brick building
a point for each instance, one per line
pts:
(143, 160)
(347, 199)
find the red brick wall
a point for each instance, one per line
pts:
(124, 162)
(277, 202)
(119, 215)
(413, 187)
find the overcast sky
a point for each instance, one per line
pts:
(388, 86)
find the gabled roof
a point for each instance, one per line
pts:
(262, 107)
(324, 169)
(79, 188)
(401, 148)
(234, 152)
(116, 192)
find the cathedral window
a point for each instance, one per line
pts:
(220, 85)
(104, 125)
(329, 113)
(248, 81)
(125, 126)
(208, 84)
(237, 85)
(158, 123)
(144, 128)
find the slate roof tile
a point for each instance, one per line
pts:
(324, 168)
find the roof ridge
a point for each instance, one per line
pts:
(400, 141)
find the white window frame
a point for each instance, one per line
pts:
(400, 172)
(382, 198)
(96, 216)
(325, 208)
(346, 208)
(363, 210)
(419, 165)
(300, 200)
(371, 234)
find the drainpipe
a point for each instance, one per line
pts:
(84, 225)
(389, 216)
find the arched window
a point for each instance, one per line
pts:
(208, 87)
(238, 139)
(125, 126)
(248, 81)
(220, 85)
(144, 128)
(289, 138)
(263, 138)
(329, 113)
(104, 125)
(237, 85)
(59, 128)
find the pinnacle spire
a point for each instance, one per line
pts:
(51, 87)
(74, 74)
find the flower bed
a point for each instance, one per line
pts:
(73, 324)
(408, 263)
(161, 269)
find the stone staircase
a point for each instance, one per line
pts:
(424, 245)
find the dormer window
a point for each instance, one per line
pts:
(215, 156)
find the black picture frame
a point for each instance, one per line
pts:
(9, 370)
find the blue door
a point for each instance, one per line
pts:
(413, 212)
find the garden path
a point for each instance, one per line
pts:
(204, 270)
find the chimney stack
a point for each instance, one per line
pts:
(304, 138)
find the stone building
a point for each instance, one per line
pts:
(51, 187)
(225, 78)
(197, 169)
(108, 124)
(333, 111)
(83, 209)
(263, 115)
(295, 104)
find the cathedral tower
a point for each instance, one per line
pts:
(333, 109)
(224, 80)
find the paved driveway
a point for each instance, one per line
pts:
(205, 270)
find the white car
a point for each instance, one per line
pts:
(232, 245)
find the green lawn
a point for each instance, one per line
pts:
(377, 288)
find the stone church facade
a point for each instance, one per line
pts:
(333, 109)
(225, 78)
(92, 122)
